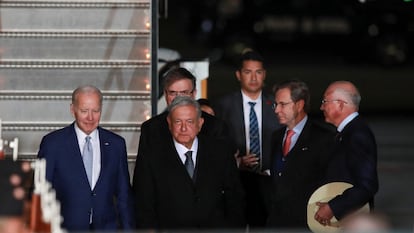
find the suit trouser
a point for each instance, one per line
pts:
(257, 190)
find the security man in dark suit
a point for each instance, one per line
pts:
(236, 110)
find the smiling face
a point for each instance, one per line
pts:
(184, 124)
(251, 77)
(87, 111)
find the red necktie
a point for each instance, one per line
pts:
(288, 140)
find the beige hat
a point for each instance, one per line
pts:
(324, 194)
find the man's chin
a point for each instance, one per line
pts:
(184, 140)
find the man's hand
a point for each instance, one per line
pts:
(248, 161)
(324, 214)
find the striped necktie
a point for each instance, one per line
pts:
(254, 131)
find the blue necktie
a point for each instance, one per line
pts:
(254, 131)
(189, 164)
(88, 158)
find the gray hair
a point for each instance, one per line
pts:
(184, 101)
(86, 89)
(349, 91)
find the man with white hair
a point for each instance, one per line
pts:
(354, 158)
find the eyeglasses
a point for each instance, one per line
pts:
(324, 101)
(176, 93)
(281, 104)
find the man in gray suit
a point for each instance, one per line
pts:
(235, 109)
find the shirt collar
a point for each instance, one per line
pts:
(181, 149)
(247, 99)
(299, 126)
(81, 135)
(349, 118)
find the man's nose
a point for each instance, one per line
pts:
(184, 127)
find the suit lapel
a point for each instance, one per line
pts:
(176, 165)
(202, 164)
(104, 144)
(303, 138)
(76, 154)
(238, 118)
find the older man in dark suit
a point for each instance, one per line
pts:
(299, 156)
(189, 181)
(177, 82)
(90, 176)
(354, 159)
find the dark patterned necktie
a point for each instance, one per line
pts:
(254, 131)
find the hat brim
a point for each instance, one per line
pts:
(324, 194)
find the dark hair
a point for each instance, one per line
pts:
(178, 74)
(203, 101)
(298, 91)
(250, 55)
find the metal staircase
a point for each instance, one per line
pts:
(48, 48)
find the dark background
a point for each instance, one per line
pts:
(370, 44)
(314, 55)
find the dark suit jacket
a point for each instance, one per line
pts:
(230, 109)
(111, 198)
(299, 174)
(167, 198)
(155, 131)
(354, 161)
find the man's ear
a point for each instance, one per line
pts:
(238, 74)
(194, 94)
(301, 104)
(72, 110)
(168, 120)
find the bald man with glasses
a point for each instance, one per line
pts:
(354, 157)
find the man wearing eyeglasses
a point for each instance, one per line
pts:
(300, 153)
(354, 158)
(244, 110)
(154, 132)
